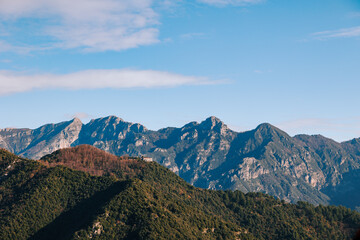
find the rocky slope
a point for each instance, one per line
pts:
(210, 155)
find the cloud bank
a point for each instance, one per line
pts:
(90, 24)
(12, 82)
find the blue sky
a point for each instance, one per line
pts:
(294, 64)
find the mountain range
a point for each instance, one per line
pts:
(209, 155)
(85, 193)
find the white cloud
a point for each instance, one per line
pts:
(90, 25)
(95, 25)
(340, 33)
(230, 2)
(12, 82)
(6, 47)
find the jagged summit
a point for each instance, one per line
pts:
(266, 130)
(107, 119)
(76, 120)
(267, 127)
(213, 123)
(108, 128)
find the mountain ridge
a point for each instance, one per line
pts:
(260, 125)
(211, 155)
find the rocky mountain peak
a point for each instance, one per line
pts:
(74, 127)
(117, 122)
(109, 123)
(212, 122)
(266, 129)
(76, 121)
(110, 119)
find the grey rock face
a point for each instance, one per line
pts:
(210, 155)
(41, 141)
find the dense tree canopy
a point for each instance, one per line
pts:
(132, 199)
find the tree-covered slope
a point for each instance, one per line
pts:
(32, 195)
(133, 199)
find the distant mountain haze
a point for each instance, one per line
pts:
(209, 155)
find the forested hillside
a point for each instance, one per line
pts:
(124, 198)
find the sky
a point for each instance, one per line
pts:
(294, 64)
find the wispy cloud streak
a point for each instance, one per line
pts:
(12, 82)
(340, 33)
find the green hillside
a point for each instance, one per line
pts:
(131, 199)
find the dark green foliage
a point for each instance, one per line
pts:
(266, 217)
(33, 195)
(42, 202)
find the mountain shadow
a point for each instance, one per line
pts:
(80, 216)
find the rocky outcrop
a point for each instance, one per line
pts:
(44, 140)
